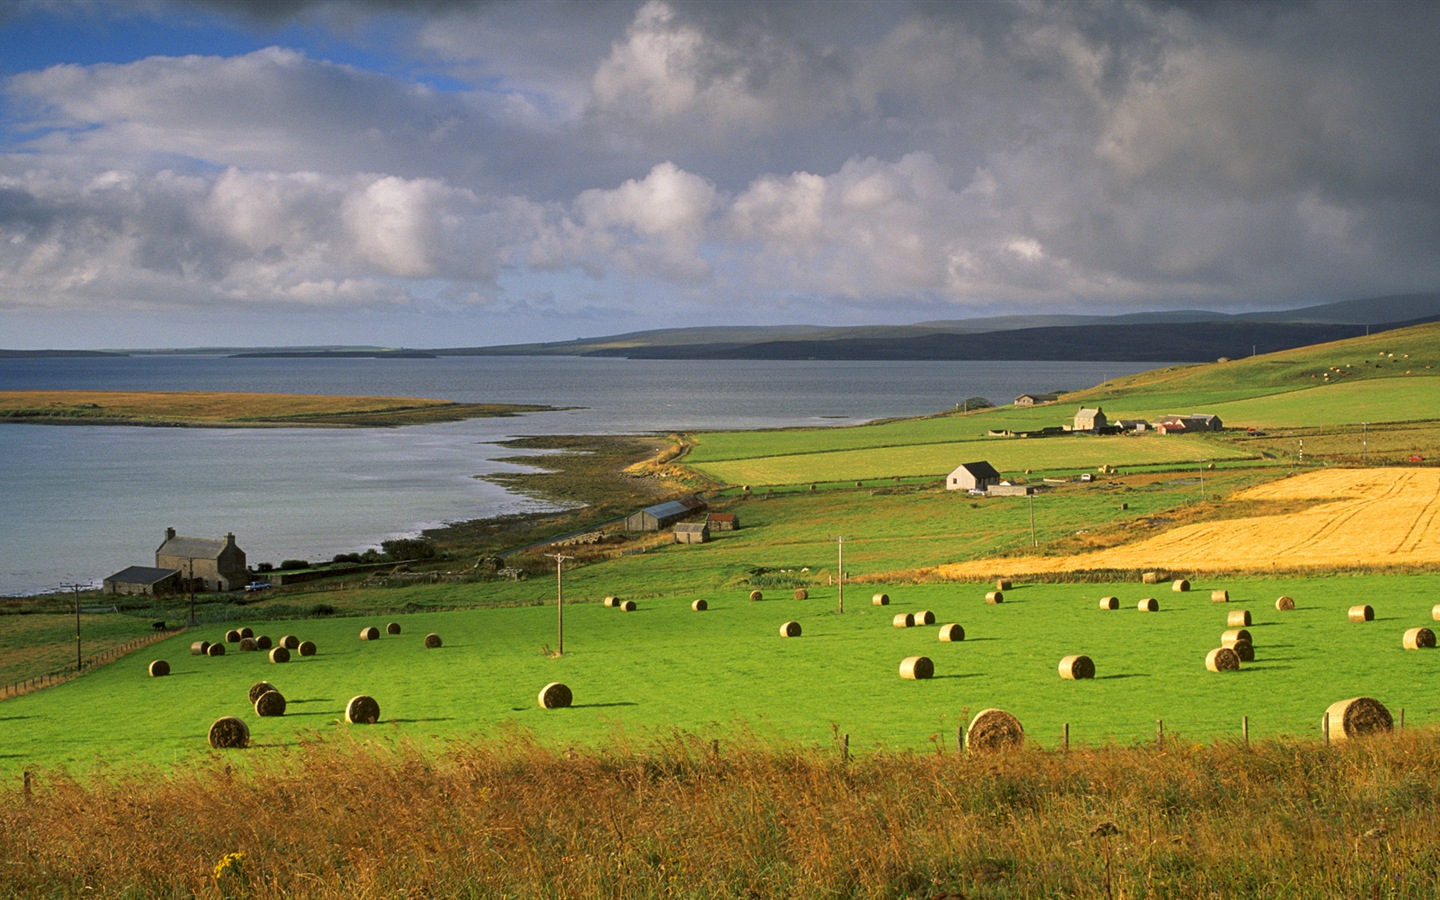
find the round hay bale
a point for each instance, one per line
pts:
(1149, 604)
(1109, 602)
(1003, 584)
(246, 632)
(994, 729)
(1362, 613)
(756, 596)
(802, 594)
(993, 597)
(199, 648)
(1239, 618)
(259, 688)
(916, 668)
(1228, 638)
(279, 655)
(924, 617)
(629, 606)
(1285, 604)
(699, 606)
(270, 703)
(952, 633)
(903, 620)
(290, 642)
(160, 668)
(880, 600)
(215, 650)
(790, 629)
(1073, 668)
(1356, 717)
(306, 648)
(1435, 612)
(1150, 578)
(228, 732)
(1222, 659)
(1245, 650)
(612, 601)
(263, 642)
(362, 710)
(432, 641)
(370, 633)
(1419, 639)
(555, 696)
(1219, 596)
(248, 645)
(392, 628)
(1180, 585)
(232, 636)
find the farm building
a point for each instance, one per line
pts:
(662, 515)
(1090, 419)
(219, 565)
(1009, 490)
(1188, 424)
(1035, 399)
(145, 580)
(692, 533)
(972, 476)
(723, 521)
(1133, 425)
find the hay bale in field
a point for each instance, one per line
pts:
(270, 703)
(790, 629)
(1219, 596)
(880, 600)
(392, 628)
(306, 648)
(1003, 584)
(916, 668)
(1150, 578)
(1435, 612)
(1245, 650)
(257, 689)
(248, 645)
(199, 648)
(1073, 668)
(263, 642)
(1180, 585)
(215, 650)
(1222, 659)
(756, 596)
(290, 642)
(1285, 604)
(612, 602)
(903, 620)
(1362, 613)
(555, 696)
(432, 641)
(1356, 717)
(1109, 602)
(279, 655)
(629, 606)
(994, 729)
(1419, 639)
(246, 632)
(802, 594)
(1239, 618)
(232, 636)
(1228, 638)
(699, 606)
(228, 732)
(952, 633)
(924, 617)
(993, 597)
(362, 710)
(370, 633)
(160, 668)
(1149, 604)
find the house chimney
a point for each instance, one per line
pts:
(169, 534)
(230, 538)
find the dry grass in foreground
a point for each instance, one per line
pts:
(689, 818)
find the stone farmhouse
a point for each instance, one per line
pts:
(182, 563)
(972, 476)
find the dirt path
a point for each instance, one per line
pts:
(1377, 518)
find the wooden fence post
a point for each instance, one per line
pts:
(1245, 730)
(1066, 734)
(1159, 732)
(1325, 726)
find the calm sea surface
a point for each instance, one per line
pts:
(80, 503)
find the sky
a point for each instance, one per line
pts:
(430, 173)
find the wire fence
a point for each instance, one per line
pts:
(87, 664)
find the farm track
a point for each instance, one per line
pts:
(1374, 518)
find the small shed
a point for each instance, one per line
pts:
(1035, 399)
(662, 515)
(143, 580)
(723, 521)
(972, 476)
(692, 533)
(1009, 490)
(1090, 419)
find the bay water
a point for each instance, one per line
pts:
(78, 503)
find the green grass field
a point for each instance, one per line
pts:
(726, 672)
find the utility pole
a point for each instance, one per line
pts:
(840, 566)
(1365, 440)
(1033, 541)
(190, 586)
(79, 658)
(559, 603)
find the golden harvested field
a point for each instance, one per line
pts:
(1366, 518)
